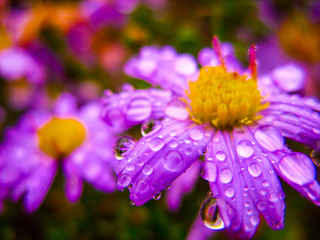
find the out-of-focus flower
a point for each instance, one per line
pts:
(234, 123)
(76, 139)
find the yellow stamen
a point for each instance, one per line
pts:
(60, 136)
(224, 99)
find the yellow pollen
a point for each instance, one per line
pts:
(60, 136)
(224, 99)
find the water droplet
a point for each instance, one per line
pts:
(261, 206)
(156, 144)
(147, 170)
(209, 171)
(254, 220)
(265, 184)
(202, 154)
(196, 134)
(173, 161)
(150, 126)
(221, 156)
(130, 167)
(216, 139)
(173, 144)
(157, 195)
(210, 215)
(315, 156)
(132, 203)
(188, 150)
(244, 149)
(140, 186)
(273, 197)
(123, 146)
(230, 192)
(139, 109)
(167, 187)
(124, 180)
(254, 170)
(177, 110)
(225, 175)
(269, 138)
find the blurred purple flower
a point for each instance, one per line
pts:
(35, 147)
(236, 127)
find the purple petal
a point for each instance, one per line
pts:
(162, 156)
(181, 186)
(130, 108)
(73, 183)
(199, 231)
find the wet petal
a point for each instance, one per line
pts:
(160, 157)
(133, 107)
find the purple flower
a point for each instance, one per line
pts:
(234, 124)
(35, 147)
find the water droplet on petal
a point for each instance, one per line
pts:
(244, 149)
(255, 170)
(130, 167)
(188, 150)
(156, 144)
(173, 144)
(139, 109)
(315, 156)
(261, 206)
(147, 170)
(269, 138)
(174, 161)
(210, 215)
(124, 180)
(273, 197)
(225, 175)
(254, 220)
(132, 203)
(230, 192)
(209, 171)
(167, 187)
(150, 126)
(157, 195)
(123, 146)
(221, 156)
(196, 134)
(177, 110)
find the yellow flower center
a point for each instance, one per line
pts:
(60, 136)
(224, 99)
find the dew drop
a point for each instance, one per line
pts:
(132, 203)
(254, 170)
(124, 180)
(225, 175)
(177, 110)
(123, 146)
(157, 195)
(188, 150)
(156, 144)
(210, 215)
(150, 126)
(315, 156)
(269, 138)
(254, 220)
(167, 187)
(230, 192)
(173, 144)
(221, 156)
(244, 149)
(196, 134)
(273, 197)
(130, 167)
(261, 206)
(173, 161)
(147, 170)
(209, 171)
(139, 109)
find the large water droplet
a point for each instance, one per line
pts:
(209, 171)
(209, 213)
(255, 170)
(225, 175)
(230, 192)
(196, 134)
(269, 138)
(173, 161)
(139, 109)
(150, 126)
(123, 146)
(124, 180)
(244, 149)
(147, 170)
(156, 144)
(315, 156)
(221, 156)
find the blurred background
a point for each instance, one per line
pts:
(48, 47)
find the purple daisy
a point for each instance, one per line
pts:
(75, 138)
(235, 125)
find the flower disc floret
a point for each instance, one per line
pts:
(59, 137)
(224, 99)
